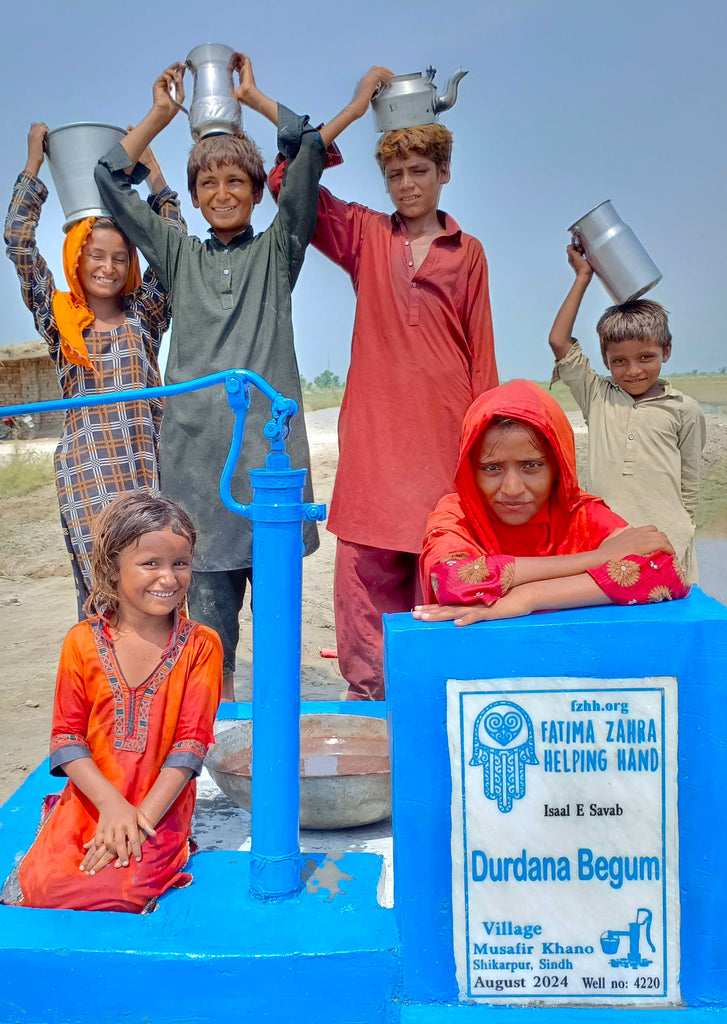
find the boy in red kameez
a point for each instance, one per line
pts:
(422, 349)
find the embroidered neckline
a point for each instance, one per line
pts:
(132, 704)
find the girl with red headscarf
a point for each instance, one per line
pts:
(519, 535)
(103, 335)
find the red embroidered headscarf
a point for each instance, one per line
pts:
(572, 520)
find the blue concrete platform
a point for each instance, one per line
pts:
(208, 954)
(335, 955)
(686, 639)
(467, 1014)
(242, 709)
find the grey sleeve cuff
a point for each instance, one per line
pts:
(291, 130)
(117, 159)
(61, 756)
(184, 759)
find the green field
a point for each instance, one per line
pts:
(25, 472)
(709, 389)
(321, 398)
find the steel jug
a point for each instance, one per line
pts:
(213, 110)
(617, 256)
(73, 151)
(408, 100)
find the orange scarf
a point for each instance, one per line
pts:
(70, 310)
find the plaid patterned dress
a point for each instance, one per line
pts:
(108, 449)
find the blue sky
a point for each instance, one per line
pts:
(566, 104)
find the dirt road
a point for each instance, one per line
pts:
(37, 604)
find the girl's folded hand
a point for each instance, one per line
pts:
(120, 831)
(631, 540)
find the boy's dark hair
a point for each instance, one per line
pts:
(637, 320)
(216, 150)
(432, 141)
(119, 525)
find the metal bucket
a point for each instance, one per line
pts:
(73, 152)
(617, 256)
(213, 110)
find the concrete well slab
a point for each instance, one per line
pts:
(209, 953)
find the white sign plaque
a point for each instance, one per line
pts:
(565, 881)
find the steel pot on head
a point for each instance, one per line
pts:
(617, 256)
(73, 151)
(408, 100)
(213, 110)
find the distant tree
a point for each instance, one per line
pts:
(327, 379)
(304, 384)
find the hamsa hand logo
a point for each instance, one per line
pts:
(503, 743)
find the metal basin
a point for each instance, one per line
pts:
(345, 775)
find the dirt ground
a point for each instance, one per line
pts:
(37, 605)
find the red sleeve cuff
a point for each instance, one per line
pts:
(642, 579)
(461, 579)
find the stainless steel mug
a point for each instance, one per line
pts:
(617, 256)
(73, 151)
(213, 110)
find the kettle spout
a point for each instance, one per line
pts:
(450, 97)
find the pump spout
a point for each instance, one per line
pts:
(450, 97)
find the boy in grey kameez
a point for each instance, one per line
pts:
(231, 307)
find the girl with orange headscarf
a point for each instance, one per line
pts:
(519, 535)
(103, 335)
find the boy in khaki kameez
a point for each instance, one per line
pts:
(645, 438)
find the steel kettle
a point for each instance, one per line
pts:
(408, 100)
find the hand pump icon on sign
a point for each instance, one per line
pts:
(610, 941)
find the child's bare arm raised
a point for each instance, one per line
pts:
(561, 333)
(36, 138)
(163, 110)
(249, 94)
(358, 105)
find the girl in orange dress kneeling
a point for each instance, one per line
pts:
(520, 536)
(136, 695)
